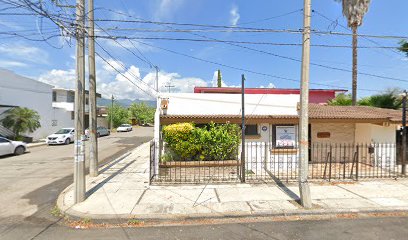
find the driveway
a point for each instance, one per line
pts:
(31, 183)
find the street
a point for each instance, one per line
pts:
(30, 183)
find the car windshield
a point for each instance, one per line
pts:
(124, 125)
(63, 131)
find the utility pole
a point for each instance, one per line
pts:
(111, 114)
(79, 148)
(243, 129)
(157, 78)
(168, 86)
(304, 189)
(404, 132)
(93, 136)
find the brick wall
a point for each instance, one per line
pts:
(339, 132)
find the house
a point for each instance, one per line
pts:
(315, 95)
(271, 132)
(54, 105)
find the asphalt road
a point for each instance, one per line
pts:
(31, 183)
(358, 229)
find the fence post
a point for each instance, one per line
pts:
(330, 163)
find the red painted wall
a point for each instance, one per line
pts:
(315, 95)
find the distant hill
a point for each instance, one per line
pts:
(124, 102)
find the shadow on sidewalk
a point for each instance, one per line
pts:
(99, 185)
(284, 188)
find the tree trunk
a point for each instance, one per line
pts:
(354, 87)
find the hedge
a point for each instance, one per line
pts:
(212, 142)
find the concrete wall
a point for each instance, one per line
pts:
(102, 122)
(367, 133)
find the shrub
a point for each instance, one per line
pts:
(214, 142)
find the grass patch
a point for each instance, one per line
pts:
(56, 212)
(134, 221)
(86, 220)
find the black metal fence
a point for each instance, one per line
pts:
(263, 163)
(153, 163)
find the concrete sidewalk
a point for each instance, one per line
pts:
(122, 191)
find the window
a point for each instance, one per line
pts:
(2, 140)
(54, 96)
(284, 136)
(70, 96)
(72, 115)
(86, 101)
(251, 130)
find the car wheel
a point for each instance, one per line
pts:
(19, 150)
(98, 135)
(67, 141)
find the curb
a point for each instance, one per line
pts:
(33, 145)
(66, 209)
(174, 218)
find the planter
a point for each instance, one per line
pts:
(192, 164)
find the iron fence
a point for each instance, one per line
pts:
(264, 162)
(153, 163)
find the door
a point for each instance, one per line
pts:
(399, 145)
(5, 147)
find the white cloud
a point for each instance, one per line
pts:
(110, 82)
(11, 64)
(167, 8)
(24, 53)
(270, 85)
(234, 15)
(59, 78)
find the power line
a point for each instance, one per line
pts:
(246, 70)
(270, 18)
(114, 37)
(123, 67)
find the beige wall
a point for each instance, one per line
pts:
(367, 133)
(339, 132)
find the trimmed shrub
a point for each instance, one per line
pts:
(213, 142)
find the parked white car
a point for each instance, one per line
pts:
(11, 147)
(124, 128)
(62, 136)
(100, 131)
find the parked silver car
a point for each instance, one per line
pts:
(100, 131)
(11, 147)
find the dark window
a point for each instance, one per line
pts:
(2, 140)
(86, 101)
(251, 130)
(54, 96)
(72, 115)
(70, 96)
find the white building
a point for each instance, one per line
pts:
(54, 105)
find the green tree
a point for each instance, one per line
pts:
(341, 100)
(142, 112)
(403, 47)
(118, 114)
(389, 99)
(21, 120)
(219, 78)
(354, 11)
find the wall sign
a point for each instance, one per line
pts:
(264, 128)
(285, 136)
(323, 135)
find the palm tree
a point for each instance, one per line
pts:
(354, 11)
(21, 120)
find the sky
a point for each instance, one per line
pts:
(185, 64)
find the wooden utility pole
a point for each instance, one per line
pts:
(404, 133)
(243, 171)
(304, 189)
(93, 135)
(79, 148)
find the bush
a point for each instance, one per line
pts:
(214, 142)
